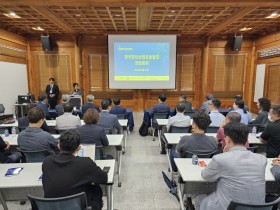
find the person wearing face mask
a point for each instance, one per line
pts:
(198, 142)
(271, 134)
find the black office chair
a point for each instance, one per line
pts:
(59, 131)
(250, 126)
(212, 129)
(175, 129)
(190, 114)
(108, 130)
(34, 156)
(242, 206)
(121, 116)
(72, 202)
(253, 149)
(2, 109)
(154, 118)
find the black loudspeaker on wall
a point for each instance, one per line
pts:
(46, 43)
(236, 43)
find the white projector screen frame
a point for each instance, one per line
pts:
(126, 82)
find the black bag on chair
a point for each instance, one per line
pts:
(144, 128)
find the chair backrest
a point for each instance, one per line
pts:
(174, 129)
(76, 101)
(99, 152)
(58, 131)
(121, 116)
(188, 154)
(190, 114)
(253, 149)
(72, 202)
(211, 129)
(2, 109)
(157, 115)
(34, 156)
(242, 206)
(250, 126)
(21, 128)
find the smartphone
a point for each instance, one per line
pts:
(106, 169)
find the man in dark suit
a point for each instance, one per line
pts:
(89, 104)
(106, 119)
(161, 107)
(42, 104)
(59, 108)
(188, 105)
(66, 174)
(117, 109)
(52, 91)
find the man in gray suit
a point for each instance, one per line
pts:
(239, 173)
(106, 119)
(205, 104)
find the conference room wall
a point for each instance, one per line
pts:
(267, 42)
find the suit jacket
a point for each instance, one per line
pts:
(188, 107)
(261, 119)
(55, 90)
(67, 121)
(45, 108)
(161, 108)
(240, 176)
(108, 120)
(87, 106)
(117, 110)
(72, 175)
(204, 106)
(24, 123)
(93, 134)
(59, 109)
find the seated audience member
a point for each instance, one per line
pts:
(107, 120)
(238, 98)
(91, 133)
(198, 142)
(216, 117)
(89, 104)
(23, 122)
(67, 120)
(117, 109)
(204, 105)
(263, 105)
(59, 108)
(179, 120)
(271, 133)
(238, 107)
(7, 157)
(161, 107)
(232, 117)
(188, 105)
(42, 104)
(66, 174)
(34, 138)
(239, 173)
(275, 170)
(76, 90)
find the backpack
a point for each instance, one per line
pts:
(143, 130)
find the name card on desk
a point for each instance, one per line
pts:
(13, 171)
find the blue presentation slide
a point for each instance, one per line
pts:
(141, 61)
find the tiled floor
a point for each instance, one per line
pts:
(142, 187)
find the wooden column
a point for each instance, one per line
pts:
(204, 78)
(251, 92)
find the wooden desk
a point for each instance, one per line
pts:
(27, 182)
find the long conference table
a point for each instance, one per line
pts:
(115, 140)
(27, 182)
(192, 182)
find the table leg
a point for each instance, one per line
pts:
(21, 108)
(2, 200)
(169, 163)
(180, 195)
(159, 134)
(110, 199)
(125, 139)
(119, 168)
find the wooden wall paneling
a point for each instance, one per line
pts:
(85, 73)
(252, 74)
(205, 69)
(13, 38)
(10, 59)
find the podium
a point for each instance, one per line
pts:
(76, 101)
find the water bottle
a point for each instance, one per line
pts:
(254, 131)
(14, 131)
(194, 159)
(6, 133)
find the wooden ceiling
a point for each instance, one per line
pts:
(182, 17)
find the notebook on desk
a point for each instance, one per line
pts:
(87, 151)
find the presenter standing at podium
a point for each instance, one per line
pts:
(52, 91)
(76, 90)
